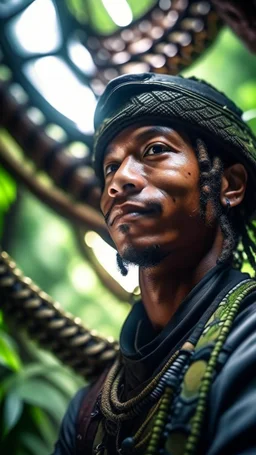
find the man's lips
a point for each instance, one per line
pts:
(133, 210)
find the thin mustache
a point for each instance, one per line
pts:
(106, 217)
(149, 205)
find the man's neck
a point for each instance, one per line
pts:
(164, 287)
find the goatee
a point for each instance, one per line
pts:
(150, 257)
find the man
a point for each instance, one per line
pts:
(177, 169)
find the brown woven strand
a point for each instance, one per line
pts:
(117, 411)
(76, 346)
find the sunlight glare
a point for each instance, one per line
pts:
(119, 11)
(83, 277)
(36, 30)
(59, 85)
(249, 115)
(81, 57)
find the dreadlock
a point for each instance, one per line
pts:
(121, 266)
(238, 232)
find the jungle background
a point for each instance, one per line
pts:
(34, 387)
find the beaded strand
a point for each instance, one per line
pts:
(171, 389)
(160, 421)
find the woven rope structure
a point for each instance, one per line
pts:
(44, 320)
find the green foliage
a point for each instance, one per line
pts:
(7, 195)
(33, 398)
(8, 354)
(94, 13)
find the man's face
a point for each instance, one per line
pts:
(151, 196)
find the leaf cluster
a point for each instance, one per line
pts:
(33, 399)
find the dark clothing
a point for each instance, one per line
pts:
(230, 426)
(67, 437)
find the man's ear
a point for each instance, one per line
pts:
(233, 184)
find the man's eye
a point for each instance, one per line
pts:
(110, 168)
(156, 149)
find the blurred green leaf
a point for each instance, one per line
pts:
(22, 451)
(56, 375)
(246, 95)
(95, 13)
(44, 425)
(38, 393)
(252, 125)
(8, 352)
(5, 370)
(64, 382)
(7, 189)
(36, 369)
(12, 411)
(33, 444)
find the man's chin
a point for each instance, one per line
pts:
(147, 257)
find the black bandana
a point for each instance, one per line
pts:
(187, 104)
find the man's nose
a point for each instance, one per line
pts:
(128, 178)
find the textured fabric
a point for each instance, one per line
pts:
(186, 104)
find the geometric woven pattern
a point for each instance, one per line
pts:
(188, 108)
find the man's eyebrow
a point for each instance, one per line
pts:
(144, 135)
(153, 130)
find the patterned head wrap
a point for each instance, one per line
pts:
(190, 105)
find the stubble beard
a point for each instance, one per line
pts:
(147, 258)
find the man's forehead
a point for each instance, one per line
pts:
(139, 134)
